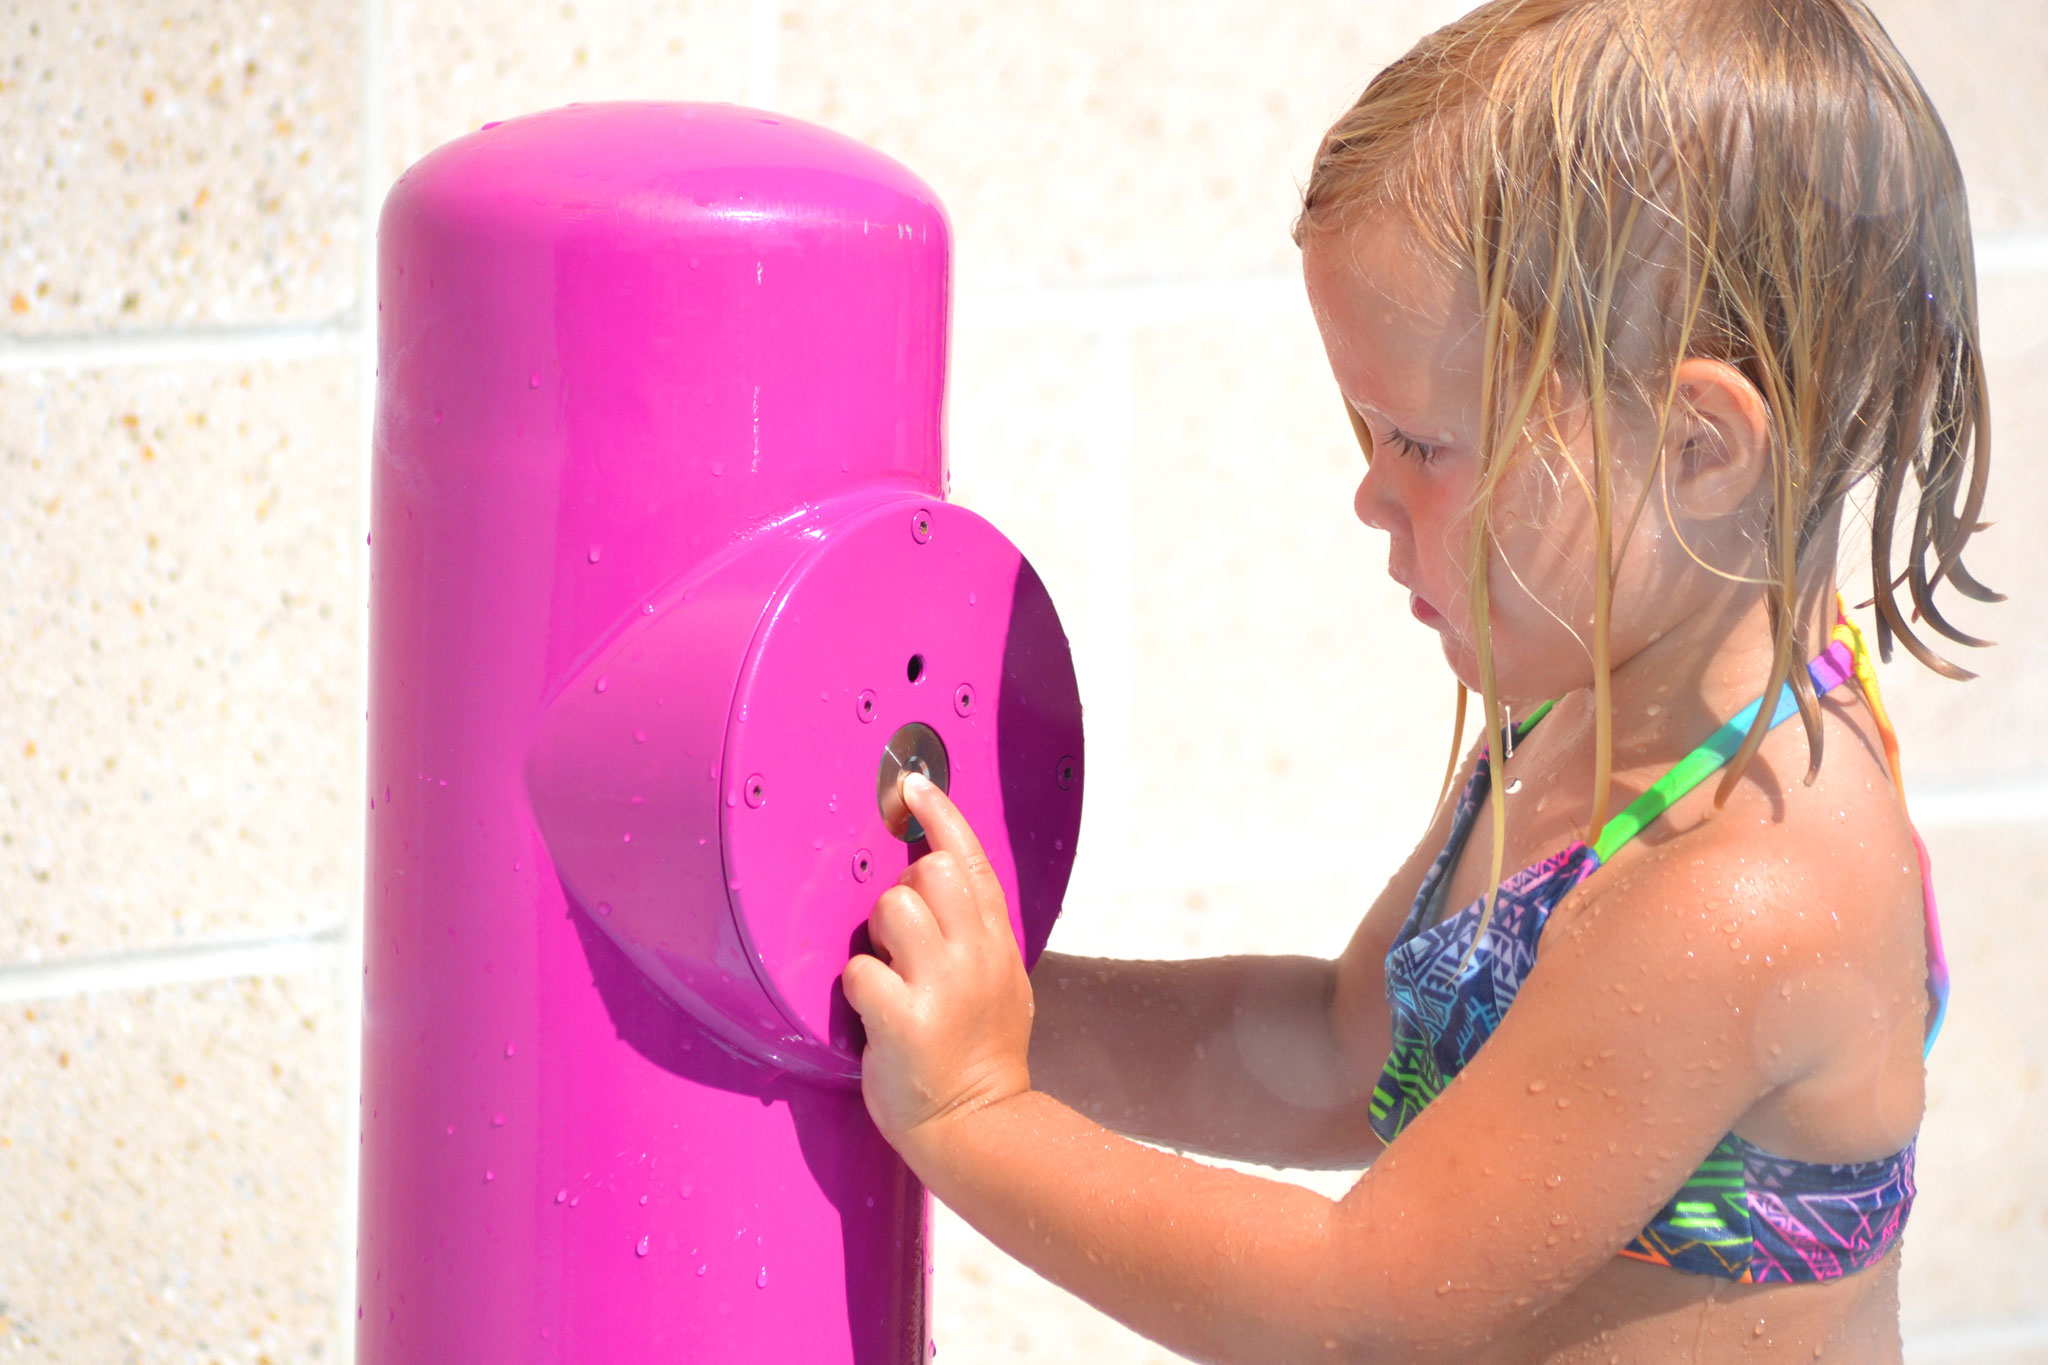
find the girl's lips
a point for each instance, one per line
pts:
(1424, 612)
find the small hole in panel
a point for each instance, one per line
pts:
(916, 669)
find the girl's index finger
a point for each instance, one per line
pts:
(946, 828)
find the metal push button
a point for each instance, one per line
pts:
(916, 748)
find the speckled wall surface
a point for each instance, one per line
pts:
(187, 198)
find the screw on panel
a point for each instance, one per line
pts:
(1064, 772)
(864, 706)
(963, 699)
(921, 525)
(757, 791)
(863, 865)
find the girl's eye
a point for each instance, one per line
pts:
(1408, 445)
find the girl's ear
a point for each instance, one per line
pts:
(1718, 446)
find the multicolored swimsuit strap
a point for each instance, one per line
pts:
(1831, 669)
(1866, 678)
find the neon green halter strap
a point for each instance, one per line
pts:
(1703, 762)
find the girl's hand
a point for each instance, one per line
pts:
(944, 997)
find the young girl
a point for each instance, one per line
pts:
(1625, 297)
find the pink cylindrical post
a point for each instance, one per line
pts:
(664, 592)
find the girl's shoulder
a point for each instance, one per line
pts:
(1802, 904)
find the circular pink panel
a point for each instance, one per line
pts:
(907, 604)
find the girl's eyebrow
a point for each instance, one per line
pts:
(1417, 431)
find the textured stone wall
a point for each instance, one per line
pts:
(187, 204)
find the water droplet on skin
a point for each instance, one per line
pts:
(641, 1250)
(1553, 1180)
(761, 1280)
(1538, 1087)
(1653, 709)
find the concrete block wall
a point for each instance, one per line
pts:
(187, 208)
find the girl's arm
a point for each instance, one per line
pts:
(1233, 1056)
(1267, 1059)
(1636, 1042)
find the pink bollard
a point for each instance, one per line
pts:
(664, 593)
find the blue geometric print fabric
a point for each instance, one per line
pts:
(1445, 997)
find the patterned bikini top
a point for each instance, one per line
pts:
(1745, 1214)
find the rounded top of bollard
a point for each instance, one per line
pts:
(625, 159)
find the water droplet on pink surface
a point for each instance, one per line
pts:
(643, 1199)
(489, 1176)
(595, 551)
(639, 736)
(562, 1195)
(451, 1130)
(761, 1280)
(604, 682)
(604, 907)
(717, 468)
(497, 1120)
(626, 838)
(641, 1250)
(687, 1191)
(701, 1269)
(533, 380)
(518, 863)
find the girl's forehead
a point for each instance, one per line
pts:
(1402, 331)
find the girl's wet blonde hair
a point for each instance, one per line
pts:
(1631, 183)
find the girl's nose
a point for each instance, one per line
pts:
(1372, 502)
